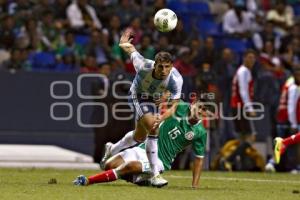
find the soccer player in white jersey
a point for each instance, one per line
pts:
(153, 78)
(175, 134)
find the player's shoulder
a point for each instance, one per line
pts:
(175, 78)
(293, 87)
(229, 13)
(182, 108)
(175, 75)
(148, 66)
(242, 69)
(200, 129)
(149, 63)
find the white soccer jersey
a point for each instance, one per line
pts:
(144, 83)
(293, 98)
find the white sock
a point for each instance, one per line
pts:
(125, 142)
(152, 154)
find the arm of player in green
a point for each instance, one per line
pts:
(197, 169)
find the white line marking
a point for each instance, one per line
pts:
(238, 179)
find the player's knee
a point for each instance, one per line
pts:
(109, 165)
(148, 122)
(140, 138)
(149, 125)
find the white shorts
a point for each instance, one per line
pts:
(139, 154)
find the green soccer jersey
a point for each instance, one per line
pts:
(175, 134)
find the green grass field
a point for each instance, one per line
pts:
(32, 184)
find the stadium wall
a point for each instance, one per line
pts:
(26, 100)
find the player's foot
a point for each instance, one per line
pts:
(143, 183)
(142, 180)
(270, 167)
(81, 180)
(158, 181)
(225, 165)
(277, 149)
(107, 155)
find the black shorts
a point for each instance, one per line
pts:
(242, 125)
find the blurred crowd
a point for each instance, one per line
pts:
(83, 36)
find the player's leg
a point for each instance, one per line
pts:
(124, 163)
(144, 178)
(128, 141)
(129, 168)
(131, 139)
(281, 144)
(109, 175)
(152, 150)
(144, 126)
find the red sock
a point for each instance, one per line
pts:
(294, 139)
(106, 176)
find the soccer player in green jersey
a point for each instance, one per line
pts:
(175, 134)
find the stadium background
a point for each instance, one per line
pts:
(41, 42)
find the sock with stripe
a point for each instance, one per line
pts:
(107, 176)
(293, 139)
(126, 142)
(152, 153)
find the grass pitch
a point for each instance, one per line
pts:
(22, 184)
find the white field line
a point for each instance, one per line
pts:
(237, 179)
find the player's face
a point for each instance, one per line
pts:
(249, 60)
(198, 110)
(162, 70)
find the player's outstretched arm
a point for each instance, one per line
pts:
(197, 169)
(165, 113)
(171, 110)
(125, 42)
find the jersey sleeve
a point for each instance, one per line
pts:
(175, 86)
(181, 109)
(244, 78)
(199, 144)
(139, 62)
(292, 105)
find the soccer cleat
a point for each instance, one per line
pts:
(270, 167)
(158, 181)
(225, 165)
(107, 155)
(144, 183)
(277, 149)
(81, 180)
(142, 180)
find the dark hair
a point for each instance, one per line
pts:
(249, 51)
(163, 57)
(105, 63)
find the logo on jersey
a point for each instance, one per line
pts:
(189, 135)
(145, 109)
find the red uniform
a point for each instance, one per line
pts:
(242, 88)
(289, 105)
(282, 113)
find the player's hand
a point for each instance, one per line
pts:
(125, 41)
(156, 123)
(127, 36)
